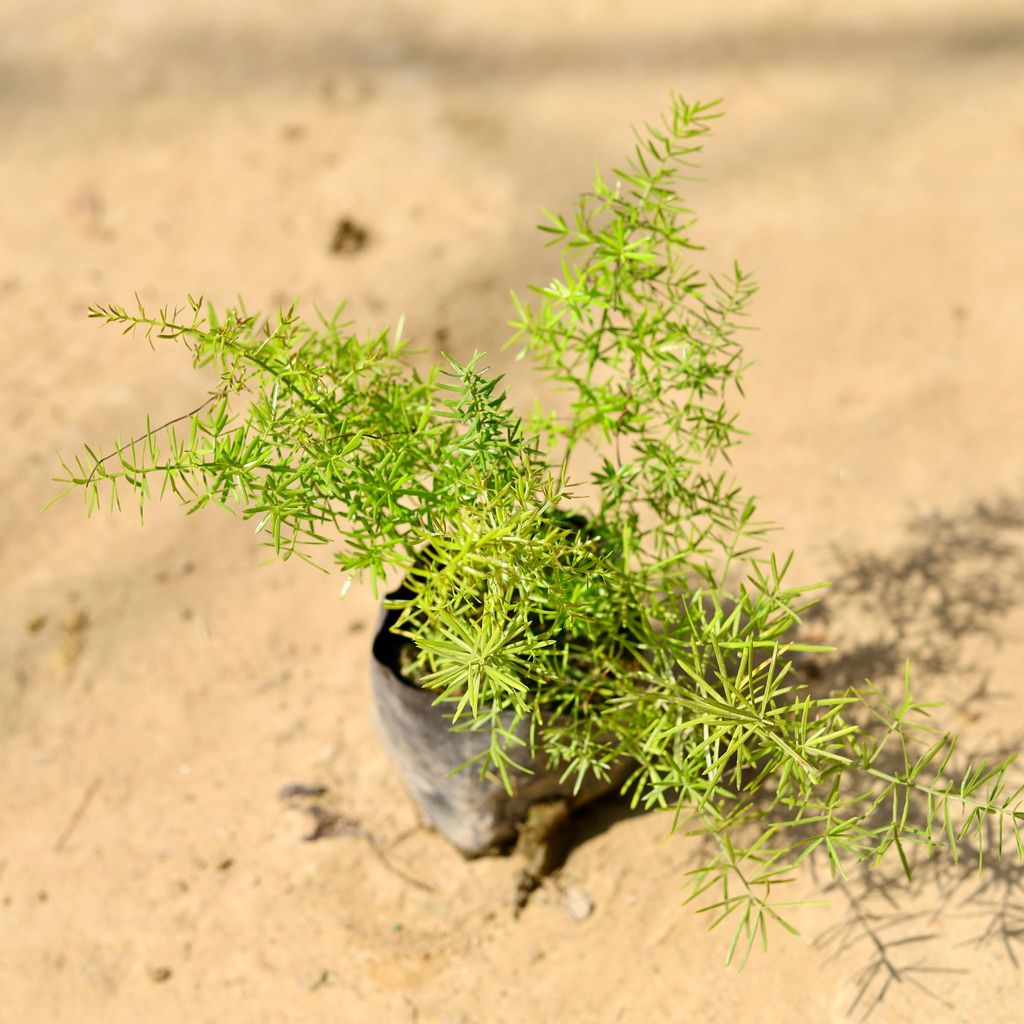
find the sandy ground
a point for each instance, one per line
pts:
(158, 687)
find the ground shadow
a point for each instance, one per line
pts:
(934, 600)
(889, 938)
(950, 583)
(245, 56)
(590, 821)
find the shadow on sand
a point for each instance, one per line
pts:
(938, 599)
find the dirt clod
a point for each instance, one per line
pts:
(349, 238)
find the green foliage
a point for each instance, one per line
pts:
(651, 627)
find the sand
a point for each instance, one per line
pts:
(159, 686)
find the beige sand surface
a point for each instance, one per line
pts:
(158, 687)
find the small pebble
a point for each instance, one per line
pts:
(159, 974)
(578, 905)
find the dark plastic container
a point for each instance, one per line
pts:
(476, 815)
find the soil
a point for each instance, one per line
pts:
(160, 688)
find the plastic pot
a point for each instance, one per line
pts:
(475, 814)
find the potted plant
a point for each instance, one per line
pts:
(582, 599)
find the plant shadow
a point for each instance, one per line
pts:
(598, 817)
(935, 600)
(952, 582)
